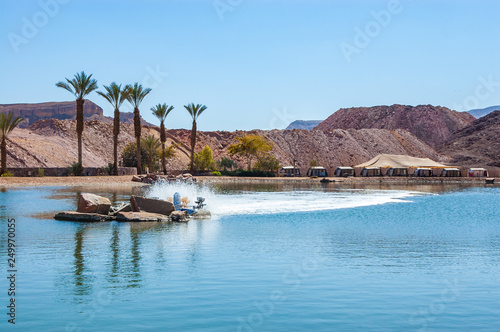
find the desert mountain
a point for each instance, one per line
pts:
(480, 112)
(303, 124)
(432, 124)
(62, 111)
(478, 144)
(52, 143)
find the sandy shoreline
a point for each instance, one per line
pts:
(125, 180)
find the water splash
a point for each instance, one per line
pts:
(165, 189)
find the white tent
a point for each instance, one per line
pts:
(400, 161)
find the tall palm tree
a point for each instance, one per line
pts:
(7, 124)
(115, 95)
(80, 86)
(161, 111)
(135, 96)
(151, 145)
(194, 111)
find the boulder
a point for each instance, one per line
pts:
(79, 216)
(136, 178)
(179, 216)
(151, 205)
(90, 203)
(140, 216)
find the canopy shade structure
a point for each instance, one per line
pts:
(400, 161)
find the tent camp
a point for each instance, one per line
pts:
(400, 161)
(317, 171)
(477, 172)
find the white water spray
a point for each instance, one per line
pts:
(220, 204)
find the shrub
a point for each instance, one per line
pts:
(226, 163)
(108, 170)
(75, 169)
(130, 158)
(204, 160)
(7, 175)
(267, 163)
(216, 173)
(41, 172)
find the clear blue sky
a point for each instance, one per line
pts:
(256, 64)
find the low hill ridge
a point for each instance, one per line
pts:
(432, 124)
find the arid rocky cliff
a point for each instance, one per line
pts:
(65, 110)
(432, 124)
(478, 144)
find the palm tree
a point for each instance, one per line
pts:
(7, 124)
(151, 144)
(194, 111)
(115, 95)
(80, 86)
(161, 112)
(135, 96)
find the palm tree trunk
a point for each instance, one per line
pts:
(193, 143)
(79, 132)
(3, 148)
(163, 140)
(137, 129)
(116, 132)
(150, 164)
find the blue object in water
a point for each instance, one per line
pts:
(177, 201)
(189, 211)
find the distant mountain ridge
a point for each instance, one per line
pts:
(480, 112)
(432, 124)
(66, 110)
(303, 124)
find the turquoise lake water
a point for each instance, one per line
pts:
(272, 258)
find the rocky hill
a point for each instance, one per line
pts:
(432, 124)
(478, 144)
(480, 112)
(303, 124)
(52, 143)
(56, 110)
(62, 111)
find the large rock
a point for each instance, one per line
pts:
(152, 205)
(79, 216)
(90, 203)
(140, 216)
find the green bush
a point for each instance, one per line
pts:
(75, 169)
(41, 172)
(216, 173)
(129, 156)
(204, 161)
(7, 175)
(267, 163)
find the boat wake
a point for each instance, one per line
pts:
(244, 203)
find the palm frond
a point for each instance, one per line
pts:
(136, 93)
(80, 86)
(195, 110)
(114, 94)
(8, 123)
